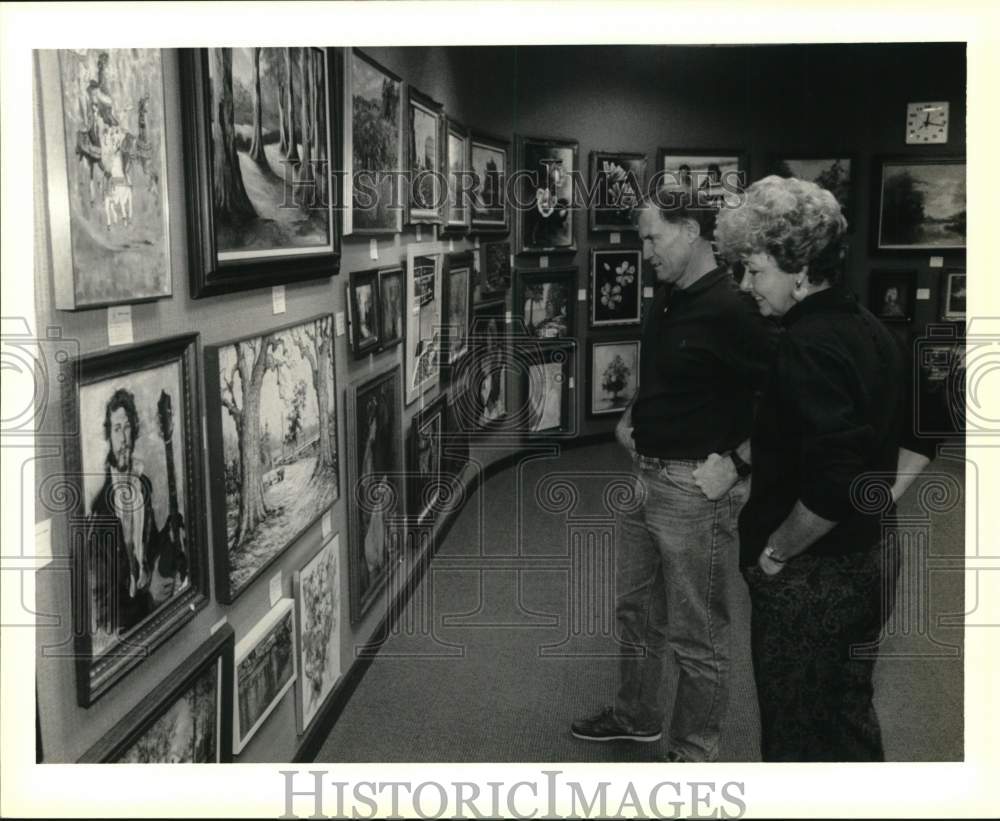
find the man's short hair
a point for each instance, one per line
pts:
(121, 398)
(678, 203)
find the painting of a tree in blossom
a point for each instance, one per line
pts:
(270, 151)
(273, 440)
(318, 601)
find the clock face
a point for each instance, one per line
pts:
(927, 123)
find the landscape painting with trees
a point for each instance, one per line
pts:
(833, 174)
(922, 205)
(270, 136)
(273, 435)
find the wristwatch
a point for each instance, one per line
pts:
(743, 469)
(769, 552)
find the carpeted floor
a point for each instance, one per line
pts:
(510, 635)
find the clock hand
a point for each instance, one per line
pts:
(931, 122)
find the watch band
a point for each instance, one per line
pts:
(743, 469)
(769, 552)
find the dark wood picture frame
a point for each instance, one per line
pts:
(562, 355)
(488, 191)
(217, 652)
(387, 339)
(318, 330)
(905, 207)
(373, 422)
(629, 170)
(526, 282)
(421, 214)
(948, 285)
(494, 270)
(457, 218)
(424, 490)
(357, 280)
(624, 285)
(537, 224)
(454, 266)
(892, 294)
(95, 676)
(393, 221)
(209, 275)
(777, 163)
(592, 377)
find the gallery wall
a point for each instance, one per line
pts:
(760, 100)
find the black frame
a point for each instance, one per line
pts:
(481, 226)
(944, 280)
(416, 484)
(348, 142)
(383, 274)
(595, 224)
(592, 343)
(593, 297)
(879, 164)
(356, 279)
(454, 262)
(219, 648)
(501, 249)
(224, 592)
(879, 280)
(847, 208)
(209, 276)
(449, 226)
(355, 552)
(523, 143)
(563, 354)
(525, 277)
(421, 100)
(94, 678)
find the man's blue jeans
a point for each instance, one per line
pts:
(676, 563)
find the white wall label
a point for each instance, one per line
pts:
(274, 588)
(278, 299)
(616, 238)
(120, 325)
(543, 262)
(327, 525)
(451, 246)
(373, 248)
(340, 322)
(218, 626)
(508, 317)
(475, 242)
(43, 543)
(937, 262)
(420, 236)
(647, 292)
(572, 383)
(581, 295)
(923, 293)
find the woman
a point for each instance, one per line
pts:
(821, 581)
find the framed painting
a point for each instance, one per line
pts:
(494, 271)
(426, 447)
(546, 390)
(615, 287)
(318, 622)
(617, 183)
(425, 129)
(919, 204)
(834, 172)
(390, 300)
(953, 295)
(132, 490)
(483, 388)
(456, 162)
(490, 159)
(457, 301)
(424, 262)
(187, 719)
(544, 300)
(364, 311)
(892, 295)
(373, 146)
(106, 166)
(375, 431)
(547, 176)
(715, 178)
(265, 669)
(273, 455)
(612, 375)
(260, 138)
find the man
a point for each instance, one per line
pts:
(135, 567)
(704, 352)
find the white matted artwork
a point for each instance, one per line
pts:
(614, 375)
(318, 602)
(265, 670)
(423, 317)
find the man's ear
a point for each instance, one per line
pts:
(692, 229)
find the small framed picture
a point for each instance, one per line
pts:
(892, 295)
(547, 373)
(490, 158)
(483, 402)
(424, 264)
(613, 375)
(319, 607)
(919, 204)
(545, 300)
(494, 271)
(187, 719)
(456, 164)
(425, 119)
(265, 670)
(619, 179)
(547, 175)
(427, 432)
(715, 178)
(390, 300)
(457, 308)
(363, 309)
(615, 286)
(830, 171)
(953, 296)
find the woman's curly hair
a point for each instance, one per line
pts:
(796, 222)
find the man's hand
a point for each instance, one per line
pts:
(768, 565)
(715, 476)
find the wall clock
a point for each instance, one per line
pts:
(926, 123)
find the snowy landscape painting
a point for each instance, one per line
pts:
(273, 445)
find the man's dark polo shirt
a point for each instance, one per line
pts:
(705, 350)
